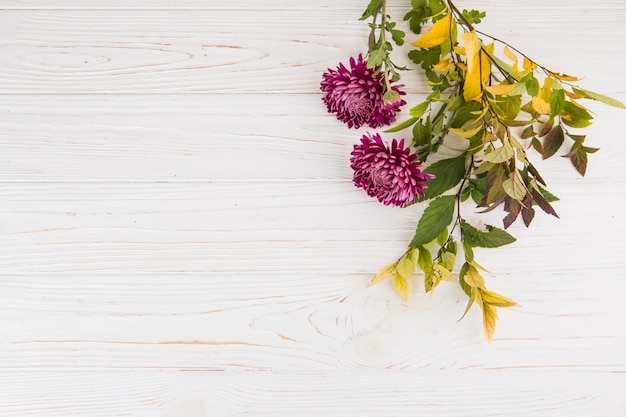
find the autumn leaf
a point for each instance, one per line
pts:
(401, 285)
(436, 35)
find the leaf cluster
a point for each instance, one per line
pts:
(503, 105)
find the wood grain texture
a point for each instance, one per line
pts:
(180, 237)
(197, 137)
(392, 393)
(259, 51)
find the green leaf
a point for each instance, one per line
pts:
(398, 36)
(552, 142)
(492, 238)
(556, 100)
(419, 110)
(514, 186)
(424, 260)
(371, 8)
(436, 217)
(421, 134)
(376, 57)
(547, 195)
(528, 132)
(574, 116)
(599, 97)
(448, 173)
(501, 154)
(473, 16)
(532, 86)
(427, 58)
(442, 237)
(403, 125)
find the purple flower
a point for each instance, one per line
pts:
(393, 176)
(356, 95)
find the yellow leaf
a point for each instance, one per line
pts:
(500, 89)
(444, 65)
(443, 273)
(437, 34)
(384, 273)
(490, 315)
(572, 95)
(473, 278)
(529, 65)
(406, 267)
(497, 300)
(401, 284)
(509, 54)
(459, 50)
(467, 133)
(540, 105)
(472, 47)
(546, 89)
(564, 77)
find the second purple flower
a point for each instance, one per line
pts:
(390, 174)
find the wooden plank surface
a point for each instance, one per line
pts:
(180, 237)
(392, 393)
(258, 51)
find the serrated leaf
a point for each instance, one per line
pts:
(557, 100)
(501, 154)
(442, 273)
(532, 86)
(552, 142)
(448, 259)
(491, 238)
(436, 217)
(438, 33)
(490, 316)
(514, 186)
(405, 267)
(599, 97)
(547, 195)
(578, 157)
(442, 237)
(383, 274)
(424, 260)
(497, 300)
(401, 285)
(540, 105)
(447, 172)
(473, 278)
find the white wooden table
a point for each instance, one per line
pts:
(180, 236)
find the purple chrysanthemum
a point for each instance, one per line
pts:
(356, 95)
(392, 175)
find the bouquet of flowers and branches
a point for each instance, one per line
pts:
(489, 96)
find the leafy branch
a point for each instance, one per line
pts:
(500, 108)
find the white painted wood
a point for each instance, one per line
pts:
(258, 51)
(179, 235)
(198, 138)
(436, 393)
